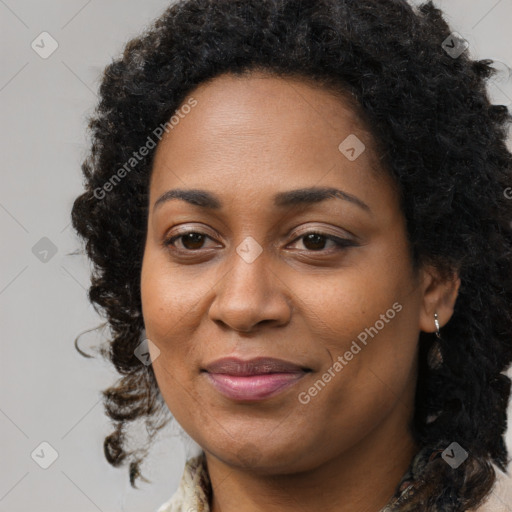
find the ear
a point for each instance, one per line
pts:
(439, 296)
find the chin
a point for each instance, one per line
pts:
(259, 456)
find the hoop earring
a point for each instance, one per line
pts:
(436, 321)
(435, 357)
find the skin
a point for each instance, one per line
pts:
(301, 300)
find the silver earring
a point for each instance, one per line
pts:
(436, 321)
(435, 358)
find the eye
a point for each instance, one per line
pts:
(190, 240)
(316, 241)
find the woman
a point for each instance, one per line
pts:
(300, 226)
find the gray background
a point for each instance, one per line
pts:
(49, 393)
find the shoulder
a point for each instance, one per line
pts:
(500, 497)
(193, 491)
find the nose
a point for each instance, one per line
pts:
(251, 295)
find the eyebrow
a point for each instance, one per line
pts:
(288, 199)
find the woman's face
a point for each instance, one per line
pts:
(253, 282)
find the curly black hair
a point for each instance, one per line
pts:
(439, 137)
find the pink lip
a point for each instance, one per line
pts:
(254, 379)
(256, 387)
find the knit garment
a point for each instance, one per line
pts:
(194, 491)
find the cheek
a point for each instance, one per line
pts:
(168, 312)
(169, 322)
(367, 324)
(352, 304)
(168, 297)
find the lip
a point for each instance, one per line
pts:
(253, 379)
(256, 366)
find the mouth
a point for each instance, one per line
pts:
(254, 379)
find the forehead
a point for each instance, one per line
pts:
(266, 130)
(262, 104)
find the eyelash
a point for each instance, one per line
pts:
(341, 243)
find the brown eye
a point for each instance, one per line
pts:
(314, 241)
(190, 241)
(193, 240)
